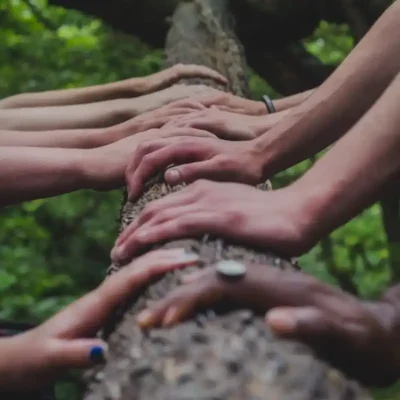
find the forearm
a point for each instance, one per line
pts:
(340, 101)
(93, 115)
(109, 91)
(28, 173)
(68, 139)
(356, 171)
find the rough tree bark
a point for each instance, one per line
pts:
(224, 353)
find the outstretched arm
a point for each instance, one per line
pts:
(28, 173)
(340, 101)
(92, 115)
(122, 89)
(356, 171)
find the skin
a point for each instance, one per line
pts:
(290, 220)
(36, 172)
(320, 120)
(228, 102)
(91, 138)
(92, 115)
(361, 338)
(36, 358)
(228, 125)
(127, 88)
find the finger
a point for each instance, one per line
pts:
(200, 71)
(159, 159)
(86, 315)
(187, 132)
(184, 301)
(187, 173)
(178, 199)
(194, 105)
(234, 110)
(79, 353)
(187, 225)
(299, 321)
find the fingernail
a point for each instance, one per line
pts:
(98, 354)
(187, 257)
(282, 321)
(170, 316)
(144, 318)
(172, 176)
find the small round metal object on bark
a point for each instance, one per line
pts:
(230, 270)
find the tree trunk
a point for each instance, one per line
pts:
(271, 31)
(222, 353)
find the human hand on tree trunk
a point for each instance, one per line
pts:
(277, 219)
(225, 102)
(359, 337)
(201, 158)
(169, 76)
(34, 359)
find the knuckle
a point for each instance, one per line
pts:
(233, 217)
(149, 211)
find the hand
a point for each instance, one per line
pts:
(171, 94)
(169, 76)
(226, 125)
(226, 102)
(359, 337)
(35, 358)
(149, 120)
(213, 159)
(104, 167)
(276, 220)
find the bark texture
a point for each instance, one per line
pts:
(223, 353)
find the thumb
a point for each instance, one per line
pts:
(298, 322)
(78, 353)
(188, 173)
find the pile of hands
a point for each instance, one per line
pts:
(211, 136)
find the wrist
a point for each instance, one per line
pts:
(90, 167)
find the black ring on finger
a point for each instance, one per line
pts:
(269, 104)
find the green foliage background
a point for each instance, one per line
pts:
(52, 251)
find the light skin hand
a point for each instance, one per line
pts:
(36, 358)
(105, 167)
(228, 125)
(225, 102)
(172, 75)
(29, 173)
(207, 158)
(93, 115)
(334, 107)
(91, 138)
(360, 338)
(116, 90)
(234, 211)
(149, 120)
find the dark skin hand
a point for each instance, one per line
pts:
(362, 338)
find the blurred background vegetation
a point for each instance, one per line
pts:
(52, 251)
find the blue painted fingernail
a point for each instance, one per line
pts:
(98, 355)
